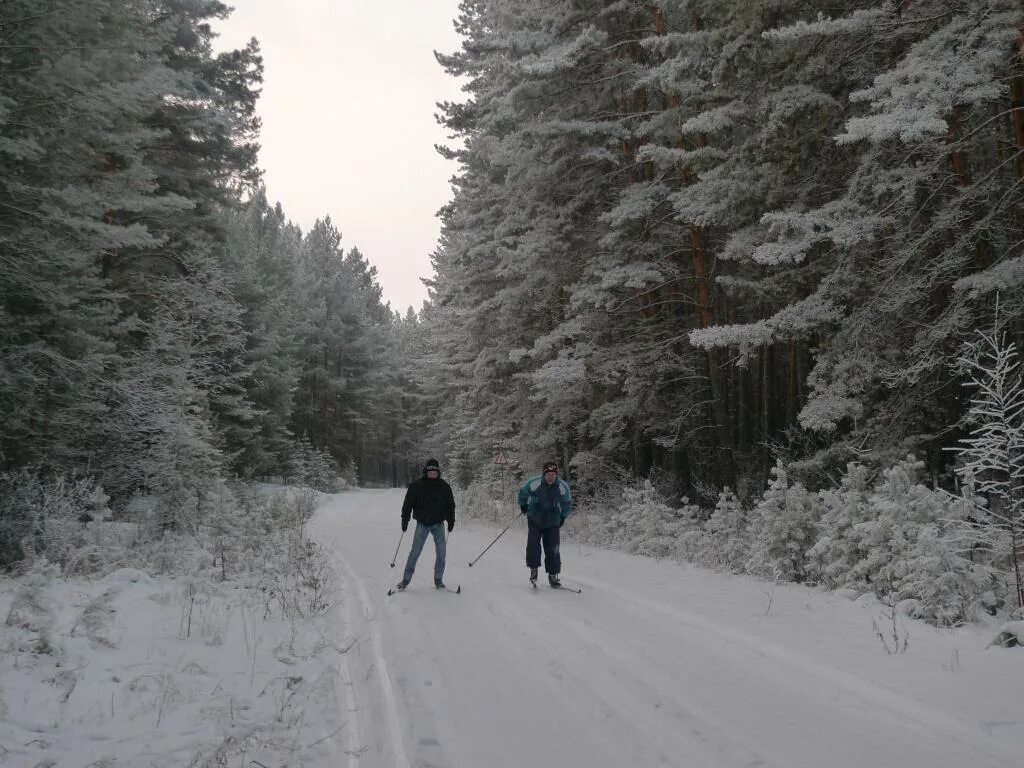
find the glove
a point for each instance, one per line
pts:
(405, 525)
(451, 524)
(523, 510)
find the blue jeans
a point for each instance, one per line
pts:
(419, 538)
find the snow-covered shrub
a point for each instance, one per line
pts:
(46, 516)
(482, 500)
(30, 621)
(651, 527)
(727, 540)
(1010, 635)
(946, 585)
(837, 550)
(317, 469)
(899, 506)
(782, 529)
(271, 547)
(638, 519)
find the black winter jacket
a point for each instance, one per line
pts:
(429, 501)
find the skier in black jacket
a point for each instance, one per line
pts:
(430, 501)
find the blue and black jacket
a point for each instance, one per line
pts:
(546, 505)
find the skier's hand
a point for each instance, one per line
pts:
(523, 510)
(451, 524)
(405, 526)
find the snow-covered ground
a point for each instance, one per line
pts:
(653, 664)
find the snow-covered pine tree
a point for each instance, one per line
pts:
(729, 530)
(838, 548)
(342, 330)
(782, 529)
(262, 269)
(75, 187)
(900, 508)
(925, 227)
(513, 238)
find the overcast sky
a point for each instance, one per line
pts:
(348, 105)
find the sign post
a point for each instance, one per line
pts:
(502, 461)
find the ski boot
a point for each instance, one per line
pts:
(553, 580)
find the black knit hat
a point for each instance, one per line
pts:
(549, 466)
(431, 464)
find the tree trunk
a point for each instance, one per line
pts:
(960, 172)
(791, 379)
(713, 358)
(1017, 102)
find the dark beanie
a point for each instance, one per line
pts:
(550, 465)
(431, 464)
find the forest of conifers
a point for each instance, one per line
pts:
(688, 241)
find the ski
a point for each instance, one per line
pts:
(563, 588)
(456, 591)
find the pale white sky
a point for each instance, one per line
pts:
(348, 105)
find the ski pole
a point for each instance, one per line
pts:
(397, 548)
(495, 539)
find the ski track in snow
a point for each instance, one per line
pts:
(387, 720)
(506, 675)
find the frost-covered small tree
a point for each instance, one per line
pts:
(838, 549)
(782, 529)
(993, 454)
(728, 531)
(899, 539)
(945, 583)
(900, 506)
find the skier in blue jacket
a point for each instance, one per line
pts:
(546, 502)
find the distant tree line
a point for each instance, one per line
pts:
(162, 327)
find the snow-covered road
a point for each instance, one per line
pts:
(653, 664)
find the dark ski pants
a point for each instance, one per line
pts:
(549, 538)
(419, 538)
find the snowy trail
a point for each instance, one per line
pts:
(654, 664)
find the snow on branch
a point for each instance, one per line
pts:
(960, 64)
(1005, 276)
(673, 43)
(671, 157)
(554, 375)
(635, 202)
(715, 120)
(745, 336)
(793, 321)
(822, 413)
(791, 234)
(790, 100)
(741, 243)
(864, 20)
(610, 129)
(565, 56)
(905, 123)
